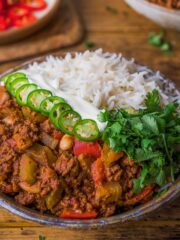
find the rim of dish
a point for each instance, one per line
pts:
(158, 7)
(134, 214)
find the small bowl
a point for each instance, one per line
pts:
(43, 17)
(167, 18)
(173, 189)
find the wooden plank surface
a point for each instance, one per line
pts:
(124, 32)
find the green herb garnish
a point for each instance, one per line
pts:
(89, 44)
(42, 237)
(112, 10)
(159, 40)
(149, 137)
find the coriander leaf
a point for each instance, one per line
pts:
(89, 44)
(165, 47)
(173, 140)
(161, 178)
(103, 116)
(146, 143)
(112, 143)
(169, 155)
(149, 137)
(161, 123)
(144, 155)
(116, 129)
(159, 194)
(151, 123)
(155, 39)
(159, 40)
(136, 124)
(42, 237)
(152, 101)
(169, 110)
(138, 184)
(177, 128)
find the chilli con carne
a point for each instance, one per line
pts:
(54, 172)
(58, 163)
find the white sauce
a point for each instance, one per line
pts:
(84, 108)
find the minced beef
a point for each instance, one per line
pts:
(38, 173)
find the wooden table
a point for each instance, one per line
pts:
(125, 32)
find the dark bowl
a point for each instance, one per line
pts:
(134, 214)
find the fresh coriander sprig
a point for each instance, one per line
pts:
(149, 137)
(42, 237)
(159, 40)
(89, 44)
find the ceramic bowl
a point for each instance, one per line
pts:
(173, 190)
(167, 18)
(43, 18)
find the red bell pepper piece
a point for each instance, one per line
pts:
(87, 148)
(76, 215)
(34, 5)
(98, 172)
(24, 21)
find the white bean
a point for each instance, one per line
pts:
(66, 142)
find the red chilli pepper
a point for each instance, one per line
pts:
(87, 148)
(5, 22)
(24, 21)
(17, 11)
(76, 215)
(34, 5)
(3, 5)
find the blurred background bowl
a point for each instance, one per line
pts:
(43, 17)
(167, 18)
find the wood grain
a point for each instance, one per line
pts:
(125, 32)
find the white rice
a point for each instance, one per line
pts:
(103, 79)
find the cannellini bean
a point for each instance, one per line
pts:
(66, 142)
